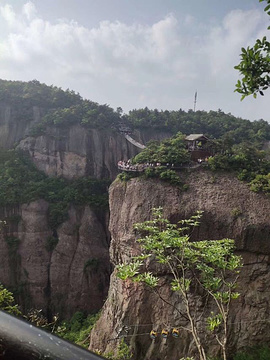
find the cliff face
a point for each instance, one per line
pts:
(74, 152)
(230, 210)
(65, 276)
(75, 274)
(70, 152)
(14, 126)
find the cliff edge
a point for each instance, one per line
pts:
(230, 210)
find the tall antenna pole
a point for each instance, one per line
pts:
(195, 100)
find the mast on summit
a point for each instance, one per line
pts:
(195, 101)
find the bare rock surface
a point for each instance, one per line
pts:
(75, 152)
(230, 210)
(74, 275)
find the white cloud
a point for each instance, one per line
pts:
(8, 15)
(158, 65)
(29, 10)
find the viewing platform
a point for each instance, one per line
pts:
(139, 168)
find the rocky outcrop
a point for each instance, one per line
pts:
(230, 210)
(75, 151)
(68, 151)
(59, 272)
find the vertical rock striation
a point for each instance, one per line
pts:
(230, 210)
(72, 275)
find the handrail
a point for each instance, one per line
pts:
(21, 340)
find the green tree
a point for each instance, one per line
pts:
(255, 66)
(172, 151)
(7, 302)
(210, 267)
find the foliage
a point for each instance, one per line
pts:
(64, 108)
(255, 66)
(254, 353)
(210, 266)
(78, 328)
(246, 159)
(21, 182)
(58, 107)
(87, 113)
(214, 124)
(261, 183)
(164, 174)
(33, 93)
(171, 151)
(22, 96)
(7, 302)
(125, 176)
(123, 352)
(168, 153)
(236, 212)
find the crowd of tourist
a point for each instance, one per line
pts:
(128, 166)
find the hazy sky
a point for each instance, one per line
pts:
(135, 53)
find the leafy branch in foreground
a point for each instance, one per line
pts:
(203, 270)
(255, 66)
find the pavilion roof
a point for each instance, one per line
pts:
(193, 137)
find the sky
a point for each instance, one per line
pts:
(135, 53)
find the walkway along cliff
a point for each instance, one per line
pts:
(230, 210)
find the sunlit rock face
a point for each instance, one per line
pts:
(71, 275)
(230, 210)
(75, 152)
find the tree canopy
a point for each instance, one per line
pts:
(254, 66)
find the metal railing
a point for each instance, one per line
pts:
(20, 340)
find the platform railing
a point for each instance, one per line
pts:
(20, 340)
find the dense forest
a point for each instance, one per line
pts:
(66, 108)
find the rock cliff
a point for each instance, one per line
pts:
(71, 151)
(14, 126)
(230, 210)
(59, 272)
(75, 274)
(75, 151)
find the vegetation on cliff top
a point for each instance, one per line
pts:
(65, 108)
(246, 159)
(21, 182)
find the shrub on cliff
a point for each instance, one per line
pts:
(261, 183)
(78, 328)
(248, 161)
(7, 302)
